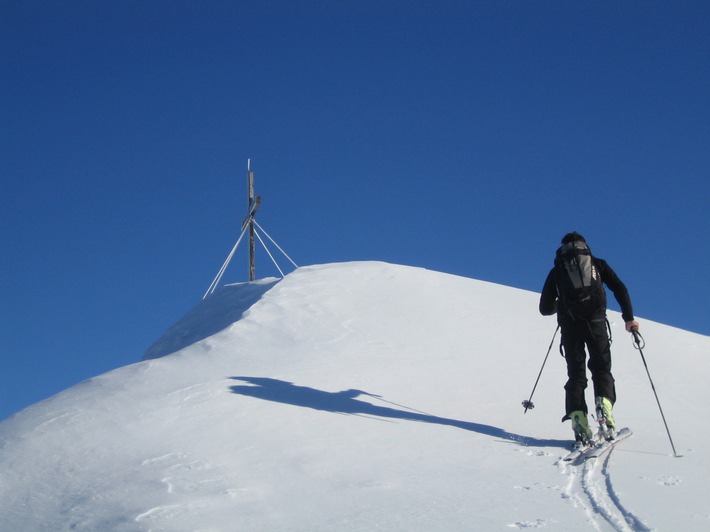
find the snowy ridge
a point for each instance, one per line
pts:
(210, 316)
(357, 396)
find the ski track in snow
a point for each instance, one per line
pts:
(591, 488)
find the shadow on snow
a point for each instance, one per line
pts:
(211, 315)
(346, 402)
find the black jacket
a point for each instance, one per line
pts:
(550, 303)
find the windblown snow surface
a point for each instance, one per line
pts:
(360, 396)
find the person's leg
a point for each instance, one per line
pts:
(600, 366)
(575, 355)
(600, 361)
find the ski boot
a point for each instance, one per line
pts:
(582, 433)
(607, 426)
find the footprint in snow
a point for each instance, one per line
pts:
(529, 524)
(669, 481)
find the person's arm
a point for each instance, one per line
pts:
(548, 297)
(618, 288)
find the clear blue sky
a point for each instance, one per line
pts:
(460, 136)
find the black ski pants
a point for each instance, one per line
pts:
(575, 336)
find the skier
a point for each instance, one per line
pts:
(574, 290)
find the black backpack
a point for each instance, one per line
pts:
(579, 284)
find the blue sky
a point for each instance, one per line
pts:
(463, 137)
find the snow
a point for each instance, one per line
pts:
(359, 396)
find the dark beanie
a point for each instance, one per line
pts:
(574, 236)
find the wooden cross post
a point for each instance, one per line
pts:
(254, 203)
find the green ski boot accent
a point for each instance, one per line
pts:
(580, 426)
(607, 425)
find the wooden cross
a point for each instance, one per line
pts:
(254, 203)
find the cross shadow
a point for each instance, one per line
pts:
(346, 402)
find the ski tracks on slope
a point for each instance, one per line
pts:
(591, 488)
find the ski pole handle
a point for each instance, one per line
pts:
(638, 339)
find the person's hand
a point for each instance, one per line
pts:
(632, 326)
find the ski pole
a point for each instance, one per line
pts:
(640, 343)
(529, 404)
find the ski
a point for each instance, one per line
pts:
(575, 453)
(595, 450)
(606, 445)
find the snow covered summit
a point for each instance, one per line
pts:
(351, 397)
